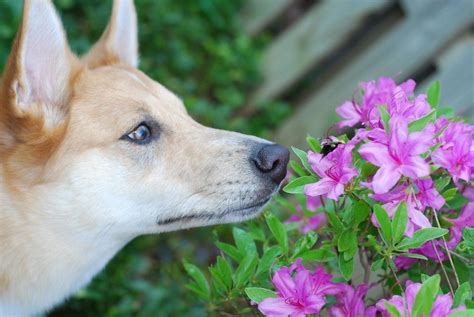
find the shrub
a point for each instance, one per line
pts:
(396, 197)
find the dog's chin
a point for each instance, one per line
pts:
(239, 214)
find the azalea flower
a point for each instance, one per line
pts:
(298, 295)
(397, 99)
(335, 170)
(442, 306)
(456, 153)
(312, 222)
(417, 199)
(350, 302)
(397, 155)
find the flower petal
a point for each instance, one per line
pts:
(324, 186)
(276, 307)
(385, 178)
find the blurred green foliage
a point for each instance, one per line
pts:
(197, 49)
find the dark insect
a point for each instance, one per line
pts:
(328, 145)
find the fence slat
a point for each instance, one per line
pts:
(404, 49)
(456, 74)
(257, 14)
(320, 31)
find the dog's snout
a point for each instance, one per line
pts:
(271, 160)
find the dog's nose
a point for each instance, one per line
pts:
(271, 160)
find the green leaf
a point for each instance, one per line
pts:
(299, 171)
(426, 296)
(313, 144)
(268, 257)
(304, 243)
(463, 313)
(361, 212)
(335, 222)
(319, 255)
(420, 237)
(230, 250)
(346, 267)
(421, 123)
(258, 294)
(449, 194)
(468, 236)
(442, 182)
(462, 293)
(244, 241)
(414, 256)
(399, 223)
(278, 231)
(296, 186)
(225, 271)
(392, 310)
(434, 93)
(384, 223)
(377, 264)
(303, 158)
(245, 270)
(197, 275)
(385, 118)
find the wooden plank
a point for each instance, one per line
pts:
(402, 50)
(456, 74)
(324, 28)
(257, 14)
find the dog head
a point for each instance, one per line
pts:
(105, 146)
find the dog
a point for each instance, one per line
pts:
(94, 153)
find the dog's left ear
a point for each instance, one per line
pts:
(119, 42)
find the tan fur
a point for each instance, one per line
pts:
(72, 192)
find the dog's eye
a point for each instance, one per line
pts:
(140, 135)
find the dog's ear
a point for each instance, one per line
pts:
(39, 69)
(119, 42)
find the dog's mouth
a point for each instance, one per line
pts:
(243, 212)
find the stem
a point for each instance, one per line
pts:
(399, 284)
(442, 268)
(448, 252)
(365, 265)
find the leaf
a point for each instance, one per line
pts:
(449, 194)
(299, 171)
(225, 271)
(468, 236)
(392, 310)
(462, 293)
(442, 182)
(313, 144)
(421, 123)
(414, 256)
(268, 257)
(346, 240)
(377, 264)
(304, 243)
(463, 313)
(245, 270)
(385, 118)
(361, 212)
(384, 222)
(258, 294)
(230, 250)
(346, 267)
(303, 158)
(278, 231)
(420, 237)
(319, 255)
(296, 186)
(244, 241)
(426, 296)
(399, 223)
(434, 93)
(197, 275)
(335, 222)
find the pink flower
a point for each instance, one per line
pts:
(399, 155)
(384, 92)
(417, 199)
(350, 302)
(456, 154)
(335, 171)
(312, 222)
(298, 295)
(442, 306)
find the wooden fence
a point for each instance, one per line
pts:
(322, 49)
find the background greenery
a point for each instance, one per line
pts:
(197, 49)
